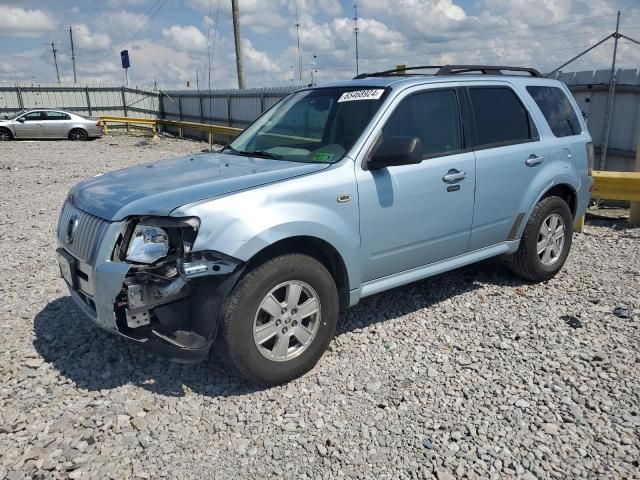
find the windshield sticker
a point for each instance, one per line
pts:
(322, 157)
(373, 94)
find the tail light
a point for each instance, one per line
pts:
(98, 123)
(590, 157)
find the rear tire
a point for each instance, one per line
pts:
(5, 135)
(279, 319)
(546, 241)
(78, 134)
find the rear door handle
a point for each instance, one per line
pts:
(533, 160)
(453, 175)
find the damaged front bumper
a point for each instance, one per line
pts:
(176, 317)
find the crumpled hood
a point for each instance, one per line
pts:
(160, 187)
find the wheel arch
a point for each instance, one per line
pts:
(77, 128)
(315, 247)
(564, 191)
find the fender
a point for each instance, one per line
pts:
(242, 224)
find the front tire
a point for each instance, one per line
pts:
(5, 135)
(546, 241)
(279, 319)
(78, 134)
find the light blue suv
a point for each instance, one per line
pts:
(337, 192)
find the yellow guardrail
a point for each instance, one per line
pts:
(154, 123)
(616, 185)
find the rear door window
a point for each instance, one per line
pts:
(500, 118)
(433, 117)
(57, 116)
(557, 110)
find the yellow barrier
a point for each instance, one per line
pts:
(616, 185)
(181, 126)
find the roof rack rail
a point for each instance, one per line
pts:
(395, 71)
(485, 70)
(453, 70)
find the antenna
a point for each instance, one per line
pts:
(355, 31)
(73, 55)
(298, 37)
(55, 60)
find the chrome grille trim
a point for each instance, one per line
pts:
(87, 233)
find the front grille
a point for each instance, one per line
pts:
(87, 231)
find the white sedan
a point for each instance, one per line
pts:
(46, 123)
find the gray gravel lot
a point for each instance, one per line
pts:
(469, 374)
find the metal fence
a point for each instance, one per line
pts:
(233, 108)
(238, 108)
(88, 100)
(591, 90)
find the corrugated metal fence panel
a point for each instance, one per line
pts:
(236, 108)
(8, 99)
(93, 100)
(591, 90)
(215, 109)
(170, 106)
(191, 109)
(245, 109)
(140, 103)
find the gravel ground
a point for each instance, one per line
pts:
(469, 374)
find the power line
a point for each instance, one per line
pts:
(157, 6)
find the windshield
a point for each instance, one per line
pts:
(14, 115)
(312, 126)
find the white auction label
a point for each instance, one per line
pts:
(373, 94)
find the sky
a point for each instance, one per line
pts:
(170, 42)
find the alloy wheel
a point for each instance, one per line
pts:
(287, 321)
(551, 239)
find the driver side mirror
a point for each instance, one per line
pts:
(395, 151)
(21, 120)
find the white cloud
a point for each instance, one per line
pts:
(85, 39)
(19, 22)
(6, 67)
(185, 38)
(258, 16)
(171, 49)
(257, 61)
(120, 24)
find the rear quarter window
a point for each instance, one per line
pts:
(557, 110)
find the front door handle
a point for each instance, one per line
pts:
(533, 160)
(453, 175)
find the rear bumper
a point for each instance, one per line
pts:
(583, 196)
(95, 132)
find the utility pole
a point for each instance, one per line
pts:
(314, 69)
(355, 31)
(73, 55)
(55, 60)
(610, 97)
(298, 37)
(236, 34)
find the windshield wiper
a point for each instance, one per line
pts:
(254, 153)
(262, 153)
